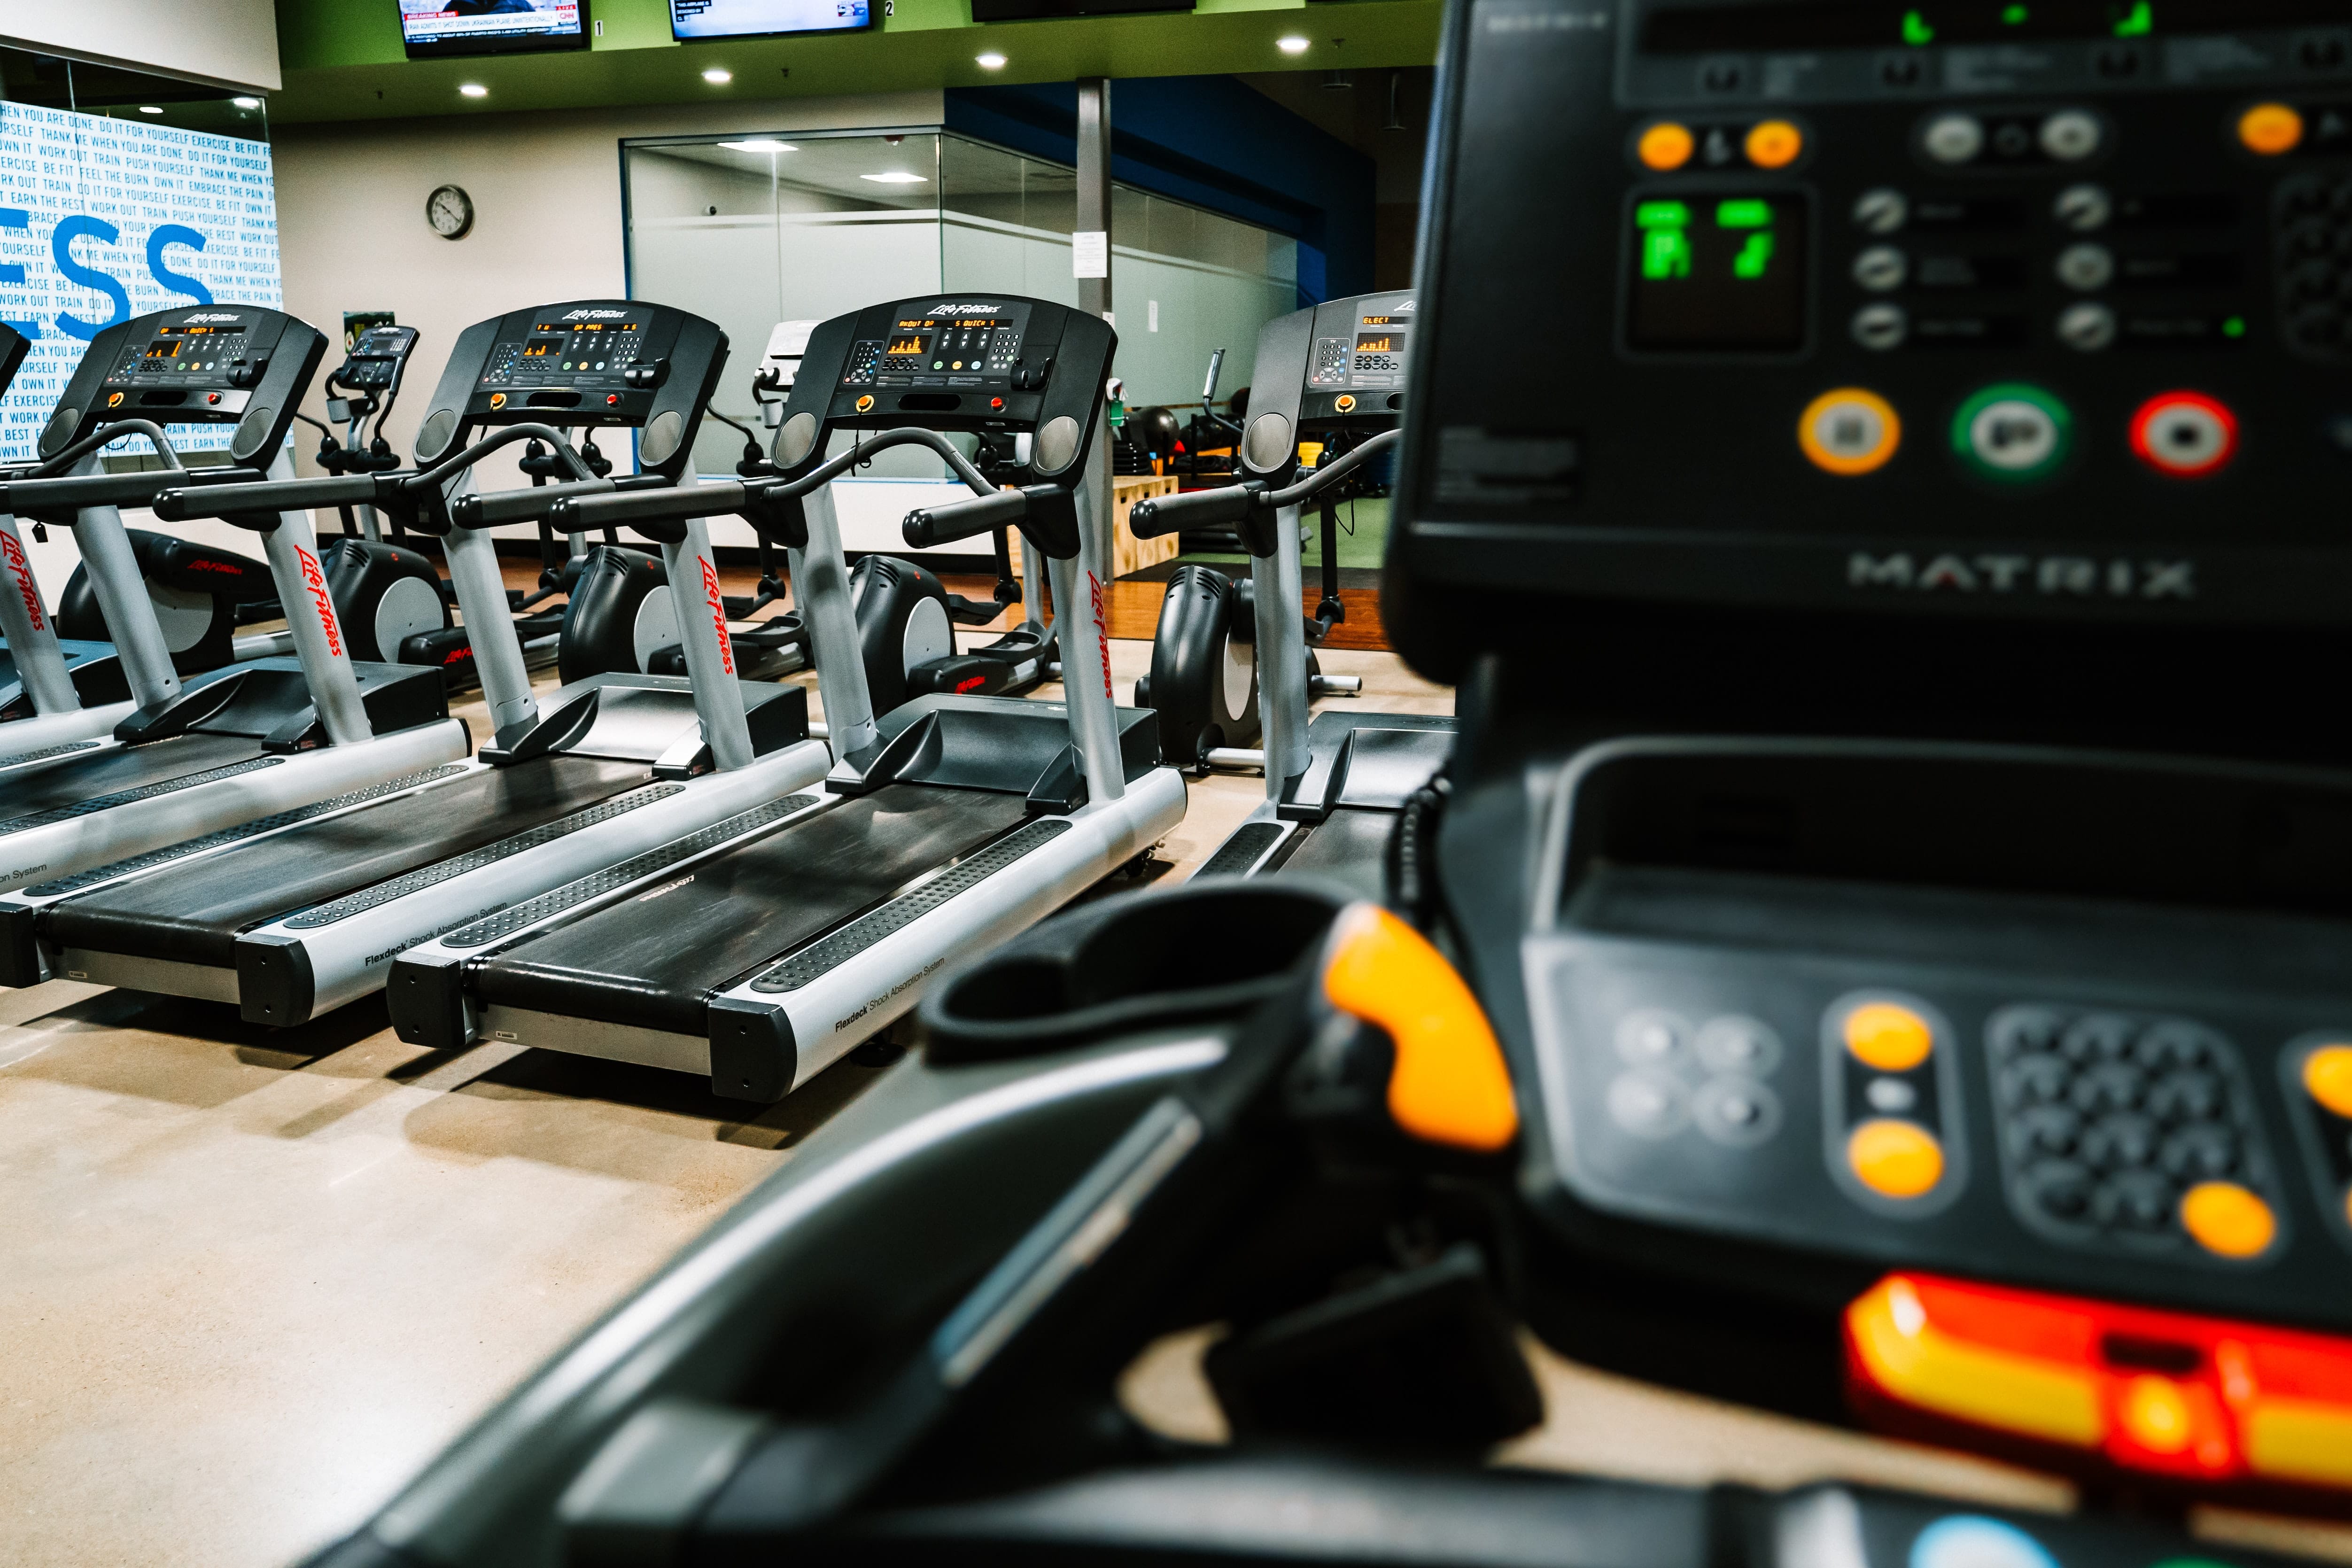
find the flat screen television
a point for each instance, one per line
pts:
(436, 28)
(691, 21)
(1041, 10)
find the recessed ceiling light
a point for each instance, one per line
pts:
(896, 177)
(761, 144)
(1294, 45)
(247, 102)
(719, 76)
(990, 61)
(473, 90)
(151, 109)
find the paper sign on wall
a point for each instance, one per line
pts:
(105, 219)
(1090, 253)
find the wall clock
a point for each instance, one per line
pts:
(450, 211)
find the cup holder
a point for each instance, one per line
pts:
(1211, 949)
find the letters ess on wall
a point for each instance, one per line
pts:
(104, 219)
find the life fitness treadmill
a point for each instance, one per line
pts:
(268, 735)
(1928, 1007)
(1334, 785)
(760, 956)
(301, 912)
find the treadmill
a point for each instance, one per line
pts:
(268, 735)
(953, 822)
(301, 912)
(1334, 785)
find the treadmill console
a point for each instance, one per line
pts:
(979, 363)
(1957, 307)
(219, 364)
(1358, 363)
(581, 363)
(376, 362)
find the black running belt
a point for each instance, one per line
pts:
(193, 914)
(74, 780)
(653, 961)
(1348, 847)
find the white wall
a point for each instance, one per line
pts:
(547, 202)
(233, 43)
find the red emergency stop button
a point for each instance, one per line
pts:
(611, 398)
(2184, 435)
(212, 397)
(996, 403)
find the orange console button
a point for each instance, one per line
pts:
(2225, 1218)
(2270, 128)
(1888, 1037)
(2327, 1078)
(1666, 146)
(1895, 1159)
(1774, 145)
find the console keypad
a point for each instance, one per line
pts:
(2109, 1121)
(2313, 224)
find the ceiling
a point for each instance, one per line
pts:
(342, 59)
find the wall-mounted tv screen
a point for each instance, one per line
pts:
(1040, 10)
(690, 20)
(429, 27)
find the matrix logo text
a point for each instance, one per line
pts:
(2050, 576)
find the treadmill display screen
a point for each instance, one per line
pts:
(569, 355)
(1872, 24)
(189, 353)
(971, 347)
(1716, 274)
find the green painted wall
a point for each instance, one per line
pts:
(342, 59)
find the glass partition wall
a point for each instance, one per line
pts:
(754, 229)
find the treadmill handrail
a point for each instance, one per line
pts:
(73, 492)
(257, 504)
(488, 508)
(1148, 517)
(578, 513)
(106, 435)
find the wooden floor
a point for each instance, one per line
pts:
(1134, 605)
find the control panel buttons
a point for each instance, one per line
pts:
(2327, 1078)
(2184, 435)
(2084, 208)
(2317, 1071)
(1850, 431)
(1881, 211)
(2269, 130)
(2228, 1220)
(1666, 146)
(1737, 1113)
(1895, 1159)
(1888, 1037)
(1882, 268)
(2012, 432)
(2071, 135)
(1972, 1541)
(2087, 327)
(2087, 266)
(1954, 139)
(1773, 145)
(1650, 1036)
(1648, 1104)
(1881, 327)
(1734, 1044)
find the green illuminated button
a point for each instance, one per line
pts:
(2012, 432)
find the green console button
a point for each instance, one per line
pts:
(2012, 432)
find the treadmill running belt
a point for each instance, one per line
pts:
(193, 915)
(653, 961)
(1350, 846)
(123, 768)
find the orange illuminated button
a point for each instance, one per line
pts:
(1774, 145)
(1888, 1037)
(865, 403)
(497, 400)
(2327, 1078)
(1345, 402)
(1895, 1159)
(1666, 146)
(2155, 1415)
(2224, 1218)
(2270, 128)
(1849, 431)
(114, 400)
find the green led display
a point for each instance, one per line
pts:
(2235, 327)
(1666, 253)
(1915, 30)
(2014, 16)
(1662, 215)
(2137, 21)
(1753, 257)
(1748, 214)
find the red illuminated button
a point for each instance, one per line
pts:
(996, 403)
(212, 397)
(2184, 435)
(611, 398)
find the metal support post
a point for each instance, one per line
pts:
(291, 551)
(32, 635)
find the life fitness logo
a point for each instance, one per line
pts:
(1102, 628)
(718, 616)
(21, 571)
(316, 581)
